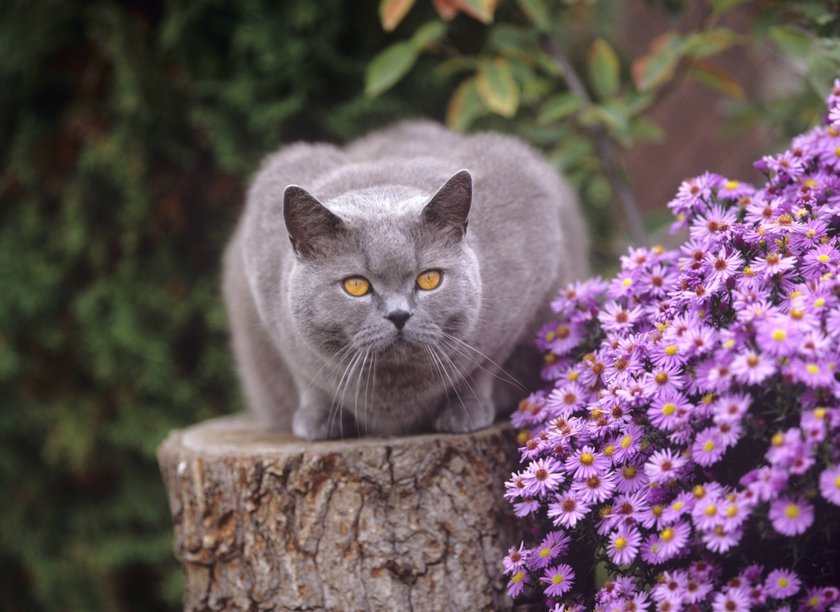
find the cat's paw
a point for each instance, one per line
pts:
(463, 417)
(314, 424)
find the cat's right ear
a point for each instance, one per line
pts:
(308, 221)
(450, 206)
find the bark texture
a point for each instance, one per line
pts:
(266, 521)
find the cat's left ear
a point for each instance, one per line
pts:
(450, 206)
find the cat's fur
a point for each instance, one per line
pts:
(323, 363)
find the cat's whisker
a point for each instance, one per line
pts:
(440, 355)
(356, 397)
(466, 356)
(336, 405)
(371, 374)
(339, 353)
(511, 377)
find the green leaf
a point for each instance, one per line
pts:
(537, 11)
(792, 41)
(483, 10)
(465, 106)
(427, 34)
(716, 78)
(603, 66)
(559, 106)
(712, 42)
(722, 6)
(497, 87)
(388, 67)
(392, 12)
(644, 129)
(654, 69)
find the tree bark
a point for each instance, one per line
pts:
(264, 520)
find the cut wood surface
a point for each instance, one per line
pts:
(264, 520)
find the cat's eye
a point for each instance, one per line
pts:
(430, 279)
(357, 286)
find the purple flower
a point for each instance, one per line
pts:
(830, 484)
(782, 583)
(624, 545)
(559, 579)
(542, 476)
(791, 516)
(567, 510)
(708, 447)
(663, 466)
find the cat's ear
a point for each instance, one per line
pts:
(450, 206)
(308, 221)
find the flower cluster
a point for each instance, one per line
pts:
(694, 406)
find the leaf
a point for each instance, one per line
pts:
(392, 12)
(427, 34)
(388, 67)
(652, 70)
(716, 78)
(483, 10)
(559, 106)
(603, 66)
(644, 129)
(447, 9)
(497, 87)
(705, 44)
(465, 106)
(721, 6)
(537, 12)
(792, 41)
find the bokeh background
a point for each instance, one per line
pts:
(128, 133)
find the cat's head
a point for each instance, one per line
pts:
(387, 270)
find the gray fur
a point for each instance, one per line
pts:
(322, 363)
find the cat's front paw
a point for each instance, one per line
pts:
(458, 417)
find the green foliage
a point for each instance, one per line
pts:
(127, 133)
(556, 73)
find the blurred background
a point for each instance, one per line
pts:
(129, 131)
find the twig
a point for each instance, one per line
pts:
(605, 148)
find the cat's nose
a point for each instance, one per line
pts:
(398, 318)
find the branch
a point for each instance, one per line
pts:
(605, 147)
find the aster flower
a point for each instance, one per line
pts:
(830, 484)
(731, 341)
(559, 579)
(791, 516)
(782, 584)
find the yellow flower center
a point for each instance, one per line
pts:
(620, 543)
(517, 577)
(667, 534)
(661, 378)
(777, 439)
(627, 282)
(609, 450)
(678, 505)
(823, 258)
(657, 511)
(669, 409)
(587, 459)
(797, 313)
(573, 376)
(812, 368)
(782, 582)
(626, 441)
(699, 492)
(814, 601)
(563, 332)
(709, 446)
(550, 359)
(544, 552)
(630, 472)
(549, 336)
(731, 184)
(837, 483)
(708, 398)
(557, 579)
(731, 511)
(819, 413)
(779, 335)
(792, 511)
(837, 151)
(670, 350)
(819, 302)
(711, 510)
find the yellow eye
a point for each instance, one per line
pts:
(357, 286)
(429, 279)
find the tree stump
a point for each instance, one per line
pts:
(264, 520)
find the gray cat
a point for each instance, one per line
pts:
(395, 292)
